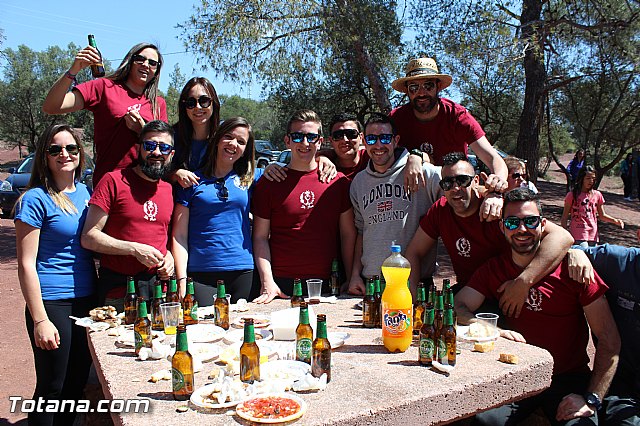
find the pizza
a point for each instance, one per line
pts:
(271, 409)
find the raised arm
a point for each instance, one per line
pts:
(262, 256)
(497, 180)
(553, 248)
(420, 245)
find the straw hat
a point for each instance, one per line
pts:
(421, 68)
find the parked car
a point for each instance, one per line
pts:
(478, 165)
(16, 183)
(265, 153)
(285, 157)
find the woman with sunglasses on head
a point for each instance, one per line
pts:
(121, 102)
(517, 177)
(211, 228)
(57, 275)
(584, 206)
(198, 118)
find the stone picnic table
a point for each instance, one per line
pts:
(369, 386)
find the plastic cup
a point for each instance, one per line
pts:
(490, 321)
(314, 289)
(171, 316)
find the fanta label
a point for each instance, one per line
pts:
(396, 322)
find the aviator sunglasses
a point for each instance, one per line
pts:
(462, 181)
(139, 59)
(151, 146)
(298, 137)
(513, 222)
(55, 150)
(204, 101)
(428, 86)
(385, 139)
(349, 133)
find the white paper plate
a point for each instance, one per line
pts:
(300, 401)
(281, 369)
(337, 338)
(197, 398)
(463, 333)
(204, 333)
(235, 336)
(204, 352)
(260, 321)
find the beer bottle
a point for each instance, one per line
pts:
(97, 70)
(419, 307)
(439, 314)
(369, 314)
(221, 306)
(451, 303)
(335, 278)
(130, 303)
(321, 350)
(189, 305)
(427, 347)
(156, 315)
(304, 336)
(182, 367)
(172, 290)
(446, 289)
(142, 327)
(297, 293)
(447, 341)
(249, 354)
(431, 302)
(377, 295)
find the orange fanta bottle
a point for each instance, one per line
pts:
(397, 304)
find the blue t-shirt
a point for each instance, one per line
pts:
(65, 269)
(198, 150)
(219, 230)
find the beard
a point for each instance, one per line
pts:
(424, 108)
(153, 170)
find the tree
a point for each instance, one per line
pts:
(291, 44)
(261, 115)
(177, 81)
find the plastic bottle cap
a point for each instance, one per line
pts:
(395, 248)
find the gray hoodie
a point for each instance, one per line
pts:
(384, 212)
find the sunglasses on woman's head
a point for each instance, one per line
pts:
(513, 222)
(191, 102)
(55, 150)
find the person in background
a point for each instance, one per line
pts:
(626, 174)
(57, 276)
(211, 227)
(584, 206)
(198, 118)
(517, 177)
(121, 102)
(575, 165)
(129, 217)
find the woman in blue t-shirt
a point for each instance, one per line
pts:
(198, 118)
(57, 276)
(211, 228)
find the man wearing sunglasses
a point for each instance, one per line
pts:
(121, 103)
(439, 126)
(470, 242)
(384, 211)
(296, 222)
(558, 316)
(129, 216)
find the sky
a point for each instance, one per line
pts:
(117, 26)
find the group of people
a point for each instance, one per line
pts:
(188, 200)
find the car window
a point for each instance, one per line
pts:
(26, 165)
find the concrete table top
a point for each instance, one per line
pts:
(369, 386)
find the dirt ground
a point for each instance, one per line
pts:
(17, 376)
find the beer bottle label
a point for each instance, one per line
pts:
(177, 378)
(303, 350)
(442, 352)
(396, 322)
(138, 339)
(427, 348)
(194, 311)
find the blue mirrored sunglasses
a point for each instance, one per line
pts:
(151, 146)
(385, 139)
(513, 222)
(298, 137)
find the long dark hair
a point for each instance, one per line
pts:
(121, 74)
(41, 174)
(577, 187)
(184, 127)
(244, 166)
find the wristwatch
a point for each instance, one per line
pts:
(593, 400)
(416, 152)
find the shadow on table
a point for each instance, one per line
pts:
(160, 396)
(363, 349)
(351, 324)
(123, 354)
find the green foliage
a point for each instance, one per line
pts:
(177, 81)
(261, 115)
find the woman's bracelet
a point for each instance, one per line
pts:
(42, 320)
(70, 76)
(180, 279)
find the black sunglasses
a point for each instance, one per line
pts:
(385, 139)
(55, 150)
(462, 181)
(204, 101)
(349, 133)
(428, 85)
(513, 222)
(139, 59)
(223, 192)
(298, 137)
(517, 175)
(151, 146)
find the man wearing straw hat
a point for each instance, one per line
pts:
(437, 126)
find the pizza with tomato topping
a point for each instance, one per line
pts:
(272, 408)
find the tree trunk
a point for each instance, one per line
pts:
(535, 78)
(369, 67)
